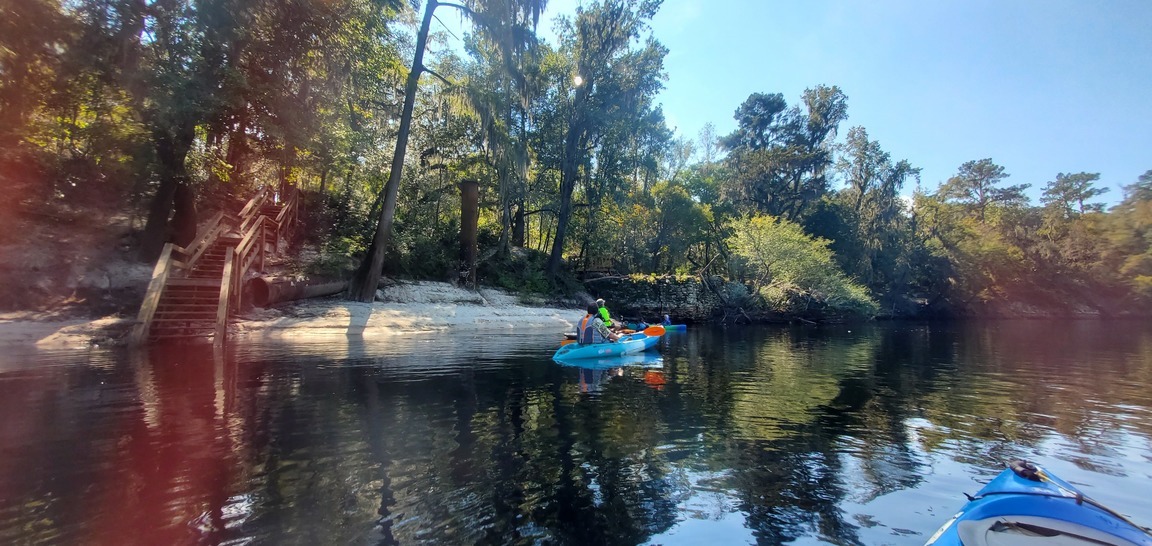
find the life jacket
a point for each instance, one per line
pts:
(605, 317)
(587, 332)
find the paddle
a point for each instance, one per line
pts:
(656, 330)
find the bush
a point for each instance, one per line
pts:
(789, 267)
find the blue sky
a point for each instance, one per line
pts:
(1039, 86)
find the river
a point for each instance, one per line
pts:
(849, 434)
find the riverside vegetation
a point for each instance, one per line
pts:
(121, 123)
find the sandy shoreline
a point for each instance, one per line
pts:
(404, 309)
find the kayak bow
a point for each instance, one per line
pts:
(1026, 505)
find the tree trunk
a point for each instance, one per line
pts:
(567, 186)
(363, 286)
(573, 143)
(172, 146)
(184, 220)
(237, 149)
(518, 225)
(469, 221)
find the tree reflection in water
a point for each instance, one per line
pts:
(845, 435)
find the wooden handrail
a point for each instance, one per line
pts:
(245, 256)
(195, 250)
(252, 203)
(152, 296)
(225, 296)
(252, 210)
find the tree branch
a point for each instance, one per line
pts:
(438, 76)
(460, 7)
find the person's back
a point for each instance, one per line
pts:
(604, 314)
(592, 329)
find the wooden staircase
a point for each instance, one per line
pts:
(194, 289)
(189, 305)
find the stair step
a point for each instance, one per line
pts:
(192, 283)
(184, 303)
(176, 299)
(180, 335)
(201, 291)
(190, 313)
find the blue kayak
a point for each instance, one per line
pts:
(643, 359)
(1026, 505)
(629, 344)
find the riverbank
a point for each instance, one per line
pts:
(401, 309)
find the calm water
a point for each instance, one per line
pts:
(844, 435)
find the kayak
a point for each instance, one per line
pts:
(643, 359)
(629, 344)
(1026, 505)
(675, 327)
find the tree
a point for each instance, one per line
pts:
(707, 140)
(680, 223)
(1068, 193)
(32, 34)
(600, 40)
(760, 121)
(1129, 236)
(784, 262)
(781, 154)
(876, 209)
(975, 185)
(364, 283)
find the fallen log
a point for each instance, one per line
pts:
(272, 290)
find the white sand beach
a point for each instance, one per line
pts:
(401, 309)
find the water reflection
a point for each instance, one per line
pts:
(844, 435)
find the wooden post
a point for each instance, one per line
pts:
(225, 296)
(469, 220)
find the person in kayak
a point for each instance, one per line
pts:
(605, 315)
(592, 328)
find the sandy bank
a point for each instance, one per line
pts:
(402, 309)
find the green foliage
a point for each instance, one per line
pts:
(520, 272)
(1069, 192)
(681, 223)
(108, 103)
(787, 265)
(779, 155)
(976, 186)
